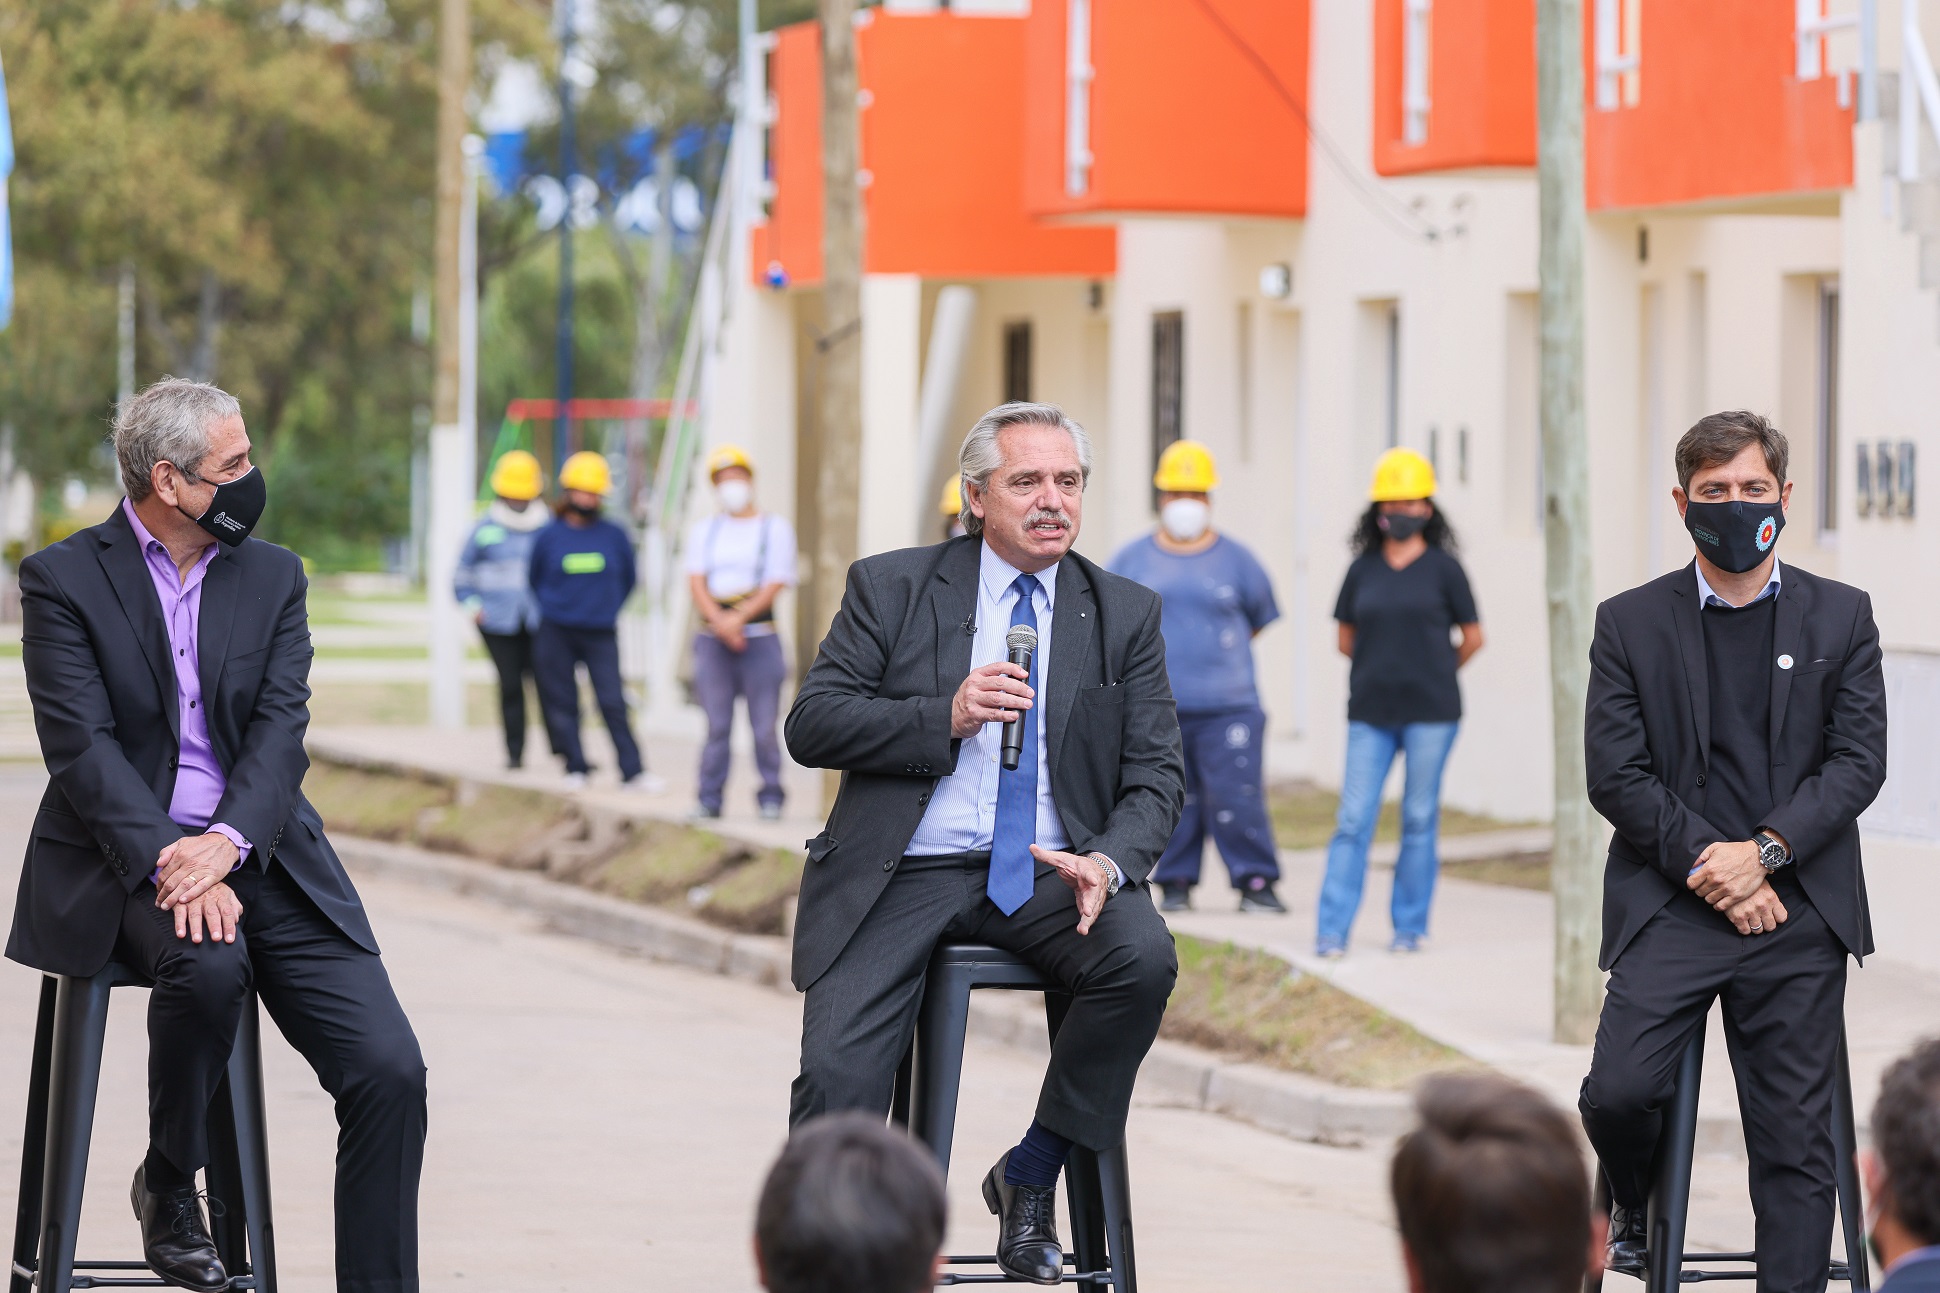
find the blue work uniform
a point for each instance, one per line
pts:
(1213, 603)
(491, 581)
(581, 575)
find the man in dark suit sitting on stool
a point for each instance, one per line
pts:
(170, 684)
(1736, 729)
(932, 838)
(1902, 1171)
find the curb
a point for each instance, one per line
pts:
(1174, 1075)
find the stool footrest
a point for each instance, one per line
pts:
(1070, 1259)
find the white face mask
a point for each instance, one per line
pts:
(734, 494)
(1185, 519)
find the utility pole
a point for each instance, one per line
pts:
(839, 350)
(125, 332)
(562, 428)
(452, 447)
(1574, 869)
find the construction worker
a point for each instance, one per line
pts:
(582, 573)
(738, 561)
(1216, 597)
(492, 582)
(952, 507)
(1403, 593)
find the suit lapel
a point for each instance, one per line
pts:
(954, 602)
(1690, 644)
(127, 569)
(1786, 645)
(1074, 626)
(218, 614)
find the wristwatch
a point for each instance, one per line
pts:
(1771, 854)
(1111, 874)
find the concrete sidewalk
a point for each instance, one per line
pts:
(1481, 986)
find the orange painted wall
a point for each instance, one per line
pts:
(1195, 108)
(1481, 87)
(941, 138)
(1720, 113)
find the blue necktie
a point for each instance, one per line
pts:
(1011, 866)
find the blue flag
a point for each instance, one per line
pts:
(6, 227)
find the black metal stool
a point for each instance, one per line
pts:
(66, 1075)
(1097, 1184)
(1668, 1265)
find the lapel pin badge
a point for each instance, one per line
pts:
(1785, 662)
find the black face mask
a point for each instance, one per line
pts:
(237, 506)
(584, 513)
(1402, 527)
(1734, 536)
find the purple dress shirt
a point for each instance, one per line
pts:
(199, 779)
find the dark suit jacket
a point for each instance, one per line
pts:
(876, 705)
(106, 710)
(1647, 741)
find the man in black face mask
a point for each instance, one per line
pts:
(1736, 729)
(167, 656)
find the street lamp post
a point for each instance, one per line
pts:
(562, 428)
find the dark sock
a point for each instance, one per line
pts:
(1037, 1158)
(162, 1176)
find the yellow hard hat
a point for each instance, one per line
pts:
(952, 500)
(516, 475)
(728, 455)
(1186, 467)
(1400, 475)
(586, 471)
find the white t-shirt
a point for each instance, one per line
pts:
(740, 554)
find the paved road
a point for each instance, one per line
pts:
(595, 1116)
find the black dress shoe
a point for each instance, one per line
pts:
(1629, 1235)
(1258, 896)
(1178, 897)
(1027, 1227)
(174, 1239)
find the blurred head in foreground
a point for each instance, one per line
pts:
(850, 1207)
(1902, 1169)
(1492, 1193)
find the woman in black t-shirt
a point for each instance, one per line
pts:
(1403, 594)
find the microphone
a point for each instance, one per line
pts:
(1021, 641)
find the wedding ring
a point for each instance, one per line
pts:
(1757, 929)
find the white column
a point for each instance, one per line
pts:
(454, 475)
(892, 306)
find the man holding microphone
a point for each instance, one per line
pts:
(1736, 729)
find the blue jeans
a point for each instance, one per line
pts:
(1370, 752)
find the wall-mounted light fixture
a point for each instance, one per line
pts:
(1908, 452)
(1276, 281)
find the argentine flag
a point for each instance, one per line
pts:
(6, 227)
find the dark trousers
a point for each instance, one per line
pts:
(557, 651)
(755, 674)
(512, 656)
(333, 1002)
(859, 1017)
(1225, 797)
(1783, 995)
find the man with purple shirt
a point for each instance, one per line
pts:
(167, 656)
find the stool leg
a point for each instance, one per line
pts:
(228, 1209)
(33, 1144)
(940, 1033)
(899, 1094)
(1115, 1184)
(1845, 1142)
(244, 1083)
(1600, 1207)
(1670, 1194)
(74, 1078)
(1084, 1196)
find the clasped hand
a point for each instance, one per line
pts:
(1733, 881)
(189, 875)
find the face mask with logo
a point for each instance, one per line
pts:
(1185, 519)
(237, 506)
(1401, 527)
(1734, 536)
(734, 495)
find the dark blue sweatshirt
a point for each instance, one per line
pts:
(581, 576)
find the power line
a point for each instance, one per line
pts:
(1378, 200)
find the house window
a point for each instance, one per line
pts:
(1414, 71)
(1017, 360)
(1828, 410)
(1616, 54)
(1168, 380)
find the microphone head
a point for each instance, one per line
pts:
(1022, 637)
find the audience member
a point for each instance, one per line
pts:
(1902, 1172)
(850, 1207)
(1492, 1193)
